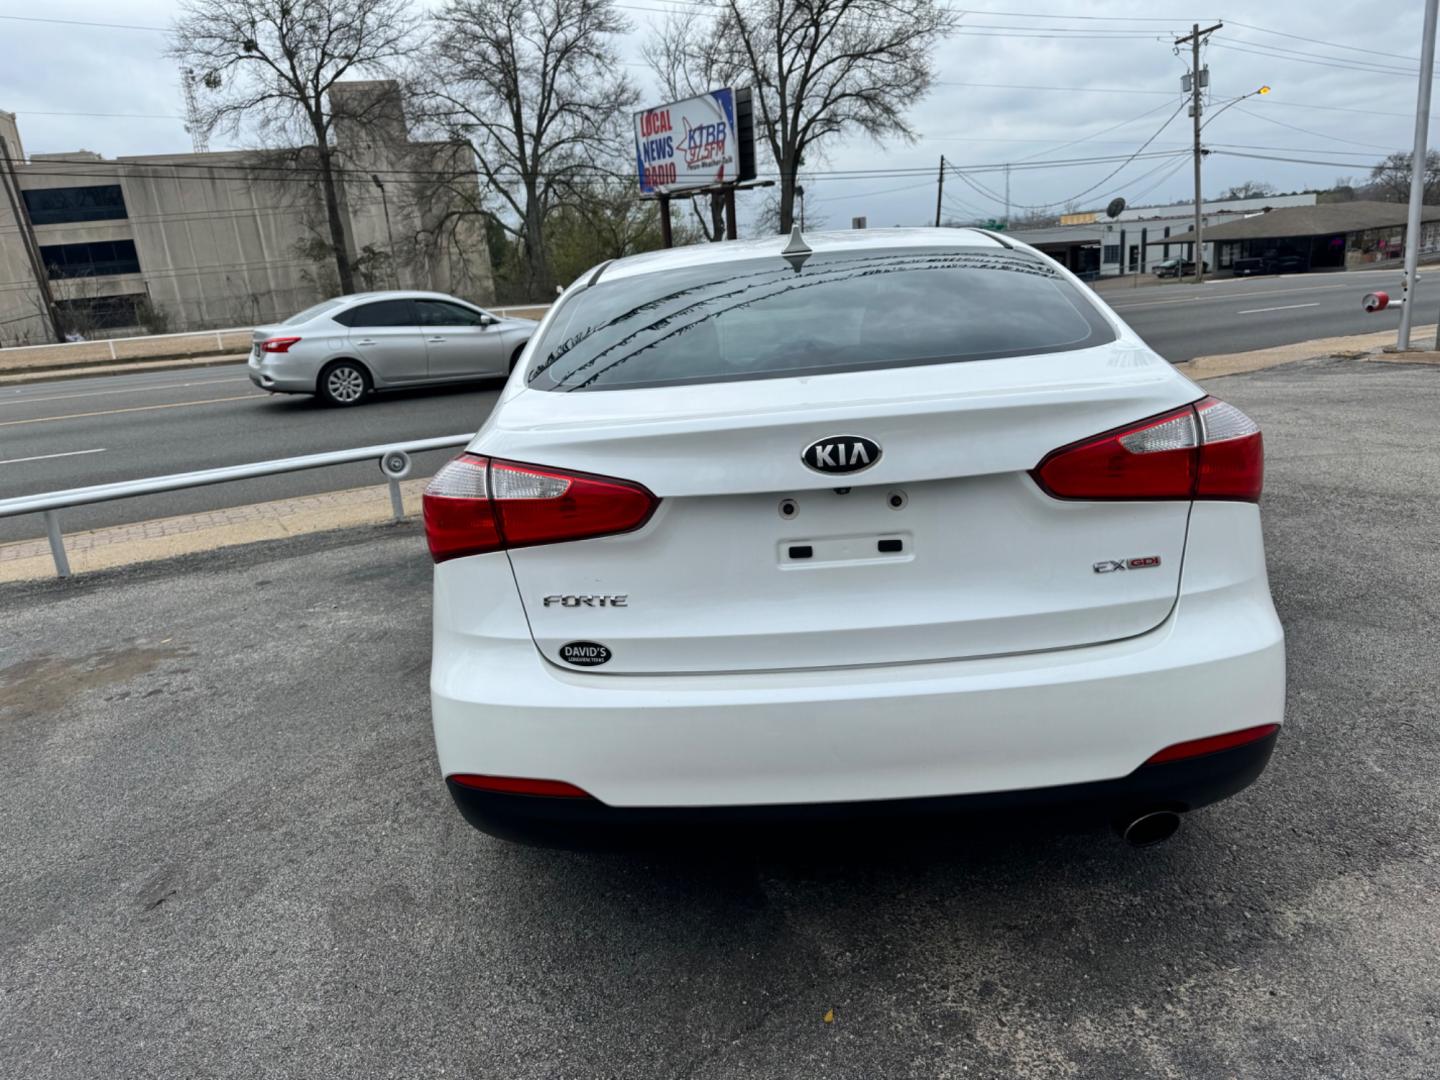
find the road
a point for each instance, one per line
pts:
(1227, 315)
(92, 431)
(227, 851)
(89, 431)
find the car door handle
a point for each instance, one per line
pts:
(365, 341)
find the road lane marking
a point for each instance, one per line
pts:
(1228, 296)
(1282, 307)
(47, 457)
(18, 399)
(132, 408)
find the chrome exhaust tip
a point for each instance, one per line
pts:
(1153, 827)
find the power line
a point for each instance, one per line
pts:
(1062, 89)
(1103, 131)
(1310, 58)
(1074, 18)
(126, 115)
(84, 22)
(1109, 176)
(1293, 161)
(1307, 131)
(1327, 44)
(1296, 149)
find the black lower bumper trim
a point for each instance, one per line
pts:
(1178, 785)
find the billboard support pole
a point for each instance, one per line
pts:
(664, 202)
(731, 233)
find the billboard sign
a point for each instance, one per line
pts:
(688, 144)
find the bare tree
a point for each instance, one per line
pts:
(1250, 189)
(819, 68)
(538, 89)
(272, 63)
(1390, 180)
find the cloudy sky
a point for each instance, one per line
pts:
(1022, 81)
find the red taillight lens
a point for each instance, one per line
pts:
(516, 785)
(277, 344)
(1154, 459)
(476, 504)
(1232, 453)
(1209, 745)
(1210, 450)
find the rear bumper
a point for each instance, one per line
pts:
(289, 378)
(1179, 785)
(1009, 724)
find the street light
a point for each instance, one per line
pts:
(1234, 101)
(390, 236)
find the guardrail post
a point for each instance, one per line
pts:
(397, 504)
(57, 544)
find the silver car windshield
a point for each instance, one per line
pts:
(853, 311)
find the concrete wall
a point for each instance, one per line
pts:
(224, 239)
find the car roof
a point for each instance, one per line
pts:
(398, 294)
(838, 240)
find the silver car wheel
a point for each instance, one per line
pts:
(345, 384)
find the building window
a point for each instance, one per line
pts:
(90, 260)
(89, 313)
(1111, 254)
(61, 206)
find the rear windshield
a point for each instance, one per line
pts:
(772, 318)
(311, 312)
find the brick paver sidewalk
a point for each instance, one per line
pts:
(163, 538)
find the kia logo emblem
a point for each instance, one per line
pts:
(841, 454)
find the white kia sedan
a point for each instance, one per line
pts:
(857, 524)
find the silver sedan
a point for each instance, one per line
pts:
(342, 349)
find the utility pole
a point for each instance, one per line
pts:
(1007, 196)
(389, 236)
(1194, 39)
(1417, 174)
(939, 191)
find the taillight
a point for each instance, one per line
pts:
(277, 344)
(476, 504)
(516, 785)
(1209, 450)
(1211, 744)
(1232, 453)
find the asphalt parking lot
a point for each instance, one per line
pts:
(225, 850)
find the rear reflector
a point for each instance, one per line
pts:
(277, 344)
(1209, 450)
(475, 504)
(515, 785)
(1209, 745)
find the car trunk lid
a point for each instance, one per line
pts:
(944, 547)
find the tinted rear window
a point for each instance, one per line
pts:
(379, 313)
(311, 313)
(767, 319)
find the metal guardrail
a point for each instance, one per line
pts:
(394, 461)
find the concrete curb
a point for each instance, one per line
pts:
(1368, 347)
(21, 376)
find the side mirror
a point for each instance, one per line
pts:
(488, 320)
